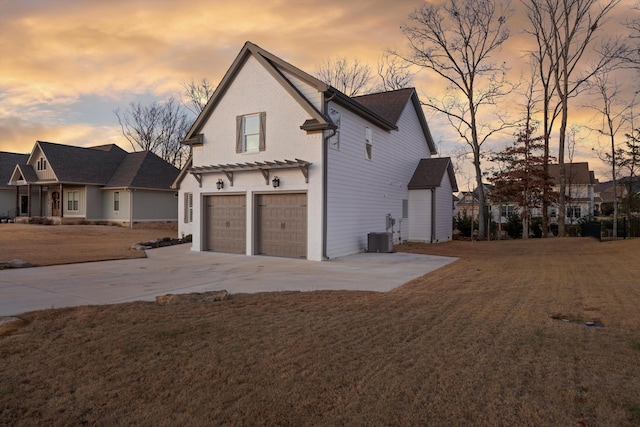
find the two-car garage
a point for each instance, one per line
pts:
(280, 224)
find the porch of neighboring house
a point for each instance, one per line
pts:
(39, 201)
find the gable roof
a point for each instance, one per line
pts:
(93, 165)
(382, 109)
(143, 170)
(429, 174)
(8, 162)
(391, 104)
(103, 165)
(576, 173)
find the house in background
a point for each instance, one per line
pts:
(8, 197)
(582, 196)
(286, 165)
(104, 183)
(582, 199)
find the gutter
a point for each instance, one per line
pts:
(325, 178)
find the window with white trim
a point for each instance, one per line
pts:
(250, 133)
(116, 201)
(574, 212)
(405, 208)
(507, 210)
(72, 201)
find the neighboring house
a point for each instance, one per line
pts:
(582, 196)
(8, 194)
(286, 165)
(103, 183)
(468, 202)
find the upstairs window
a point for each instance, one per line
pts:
(368, 143)
(41, 165)
(116, 201)
(250, 134)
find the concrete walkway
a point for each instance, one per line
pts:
(177, 269)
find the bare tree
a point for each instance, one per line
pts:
(350, 77)
(613, 114)
(394, 73)
(564, 31)
(158, 127)
(456, 42)
(198, 94)
(543, 65)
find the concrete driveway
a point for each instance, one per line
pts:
(177, 269)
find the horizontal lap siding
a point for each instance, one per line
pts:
(420, 213)
(361, 192)
(444, 211)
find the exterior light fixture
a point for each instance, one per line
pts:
(275, 182)
(220, 184)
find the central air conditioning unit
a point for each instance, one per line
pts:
(380, 242)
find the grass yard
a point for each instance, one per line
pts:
(495, 338)
(65, 244)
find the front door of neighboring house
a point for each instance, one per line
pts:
(55, 203)
(24, 204)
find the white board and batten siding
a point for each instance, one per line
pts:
(362, 192)
(255, 90)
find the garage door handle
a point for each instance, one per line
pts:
(282, 226)
(228, 224)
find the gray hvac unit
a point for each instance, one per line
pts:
(380, 242)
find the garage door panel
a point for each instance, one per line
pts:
(226, 224)
(281, 225)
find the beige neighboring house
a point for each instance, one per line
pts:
(104, 183)
(286, 165)
(582, 197)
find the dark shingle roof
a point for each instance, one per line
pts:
(8, 162)
(144, 169)
(389, 105)
(429, 173)
(576, 173)
(93, 165)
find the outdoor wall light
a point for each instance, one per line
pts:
(275, 182)
(220, 184)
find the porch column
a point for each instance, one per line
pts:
(40, 198)
(17, 211)
(61, 203)
(29, 200)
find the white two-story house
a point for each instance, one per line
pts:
(286, 165)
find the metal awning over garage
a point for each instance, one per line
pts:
(264, 167)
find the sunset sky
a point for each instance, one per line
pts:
(68, 64)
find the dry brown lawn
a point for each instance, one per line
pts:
(474, 343)
(64, 244)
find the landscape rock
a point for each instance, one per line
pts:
(15, 263)
(192, 298)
